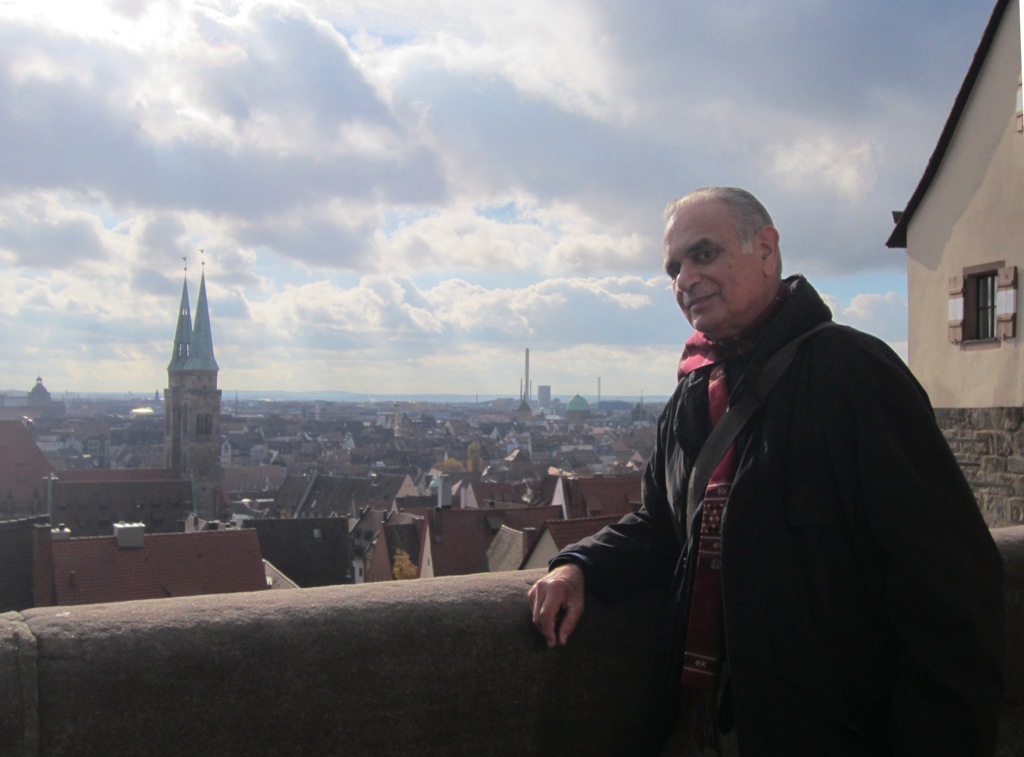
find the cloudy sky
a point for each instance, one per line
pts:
(397, 196)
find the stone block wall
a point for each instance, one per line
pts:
(989, 444)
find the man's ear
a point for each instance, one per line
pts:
(766, 245)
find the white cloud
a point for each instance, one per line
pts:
(398, 190)
(882, 314)
(848, 169)
(555, 52)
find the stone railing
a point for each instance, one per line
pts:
(447, 666)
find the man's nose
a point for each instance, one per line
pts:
(686, 278)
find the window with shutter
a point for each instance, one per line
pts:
(983, 304)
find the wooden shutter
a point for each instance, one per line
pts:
(1006, 303)
(956, 309)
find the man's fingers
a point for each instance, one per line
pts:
(545, 614)
(573, 612)
(558, 603)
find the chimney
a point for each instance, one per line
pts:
(529, 533)
(527, 382)
(444, 492)
(130, 535)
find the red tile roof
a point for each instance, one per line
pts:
(95, 569)
(590, 497)
(91, 507)
(460, 538)
(498, 493)
(566, 532)
(24, 469)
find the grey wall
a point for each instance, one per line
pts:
(445, 666)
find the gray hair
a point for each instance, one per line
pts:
(748, 214)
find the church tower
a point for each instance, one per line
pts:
(192, 405)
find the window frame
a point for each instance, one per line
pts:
(983, 305)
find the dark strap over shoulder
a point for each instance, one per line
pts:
(723, 434)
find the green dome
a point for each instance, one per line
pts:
(577, 404)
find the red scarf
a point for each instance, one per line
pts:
(704, 632)
(702, 655)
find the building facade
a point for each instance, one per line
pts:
(963, 229)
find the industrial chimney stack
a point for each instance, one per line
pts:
(526, 396)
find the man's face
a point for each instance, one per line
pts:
(720, 288)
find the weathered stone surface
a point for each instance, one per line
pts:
(983, 443)
(1002, 443)
(1013, 418)
(952, 415)
(994, 510)
(431, 667)
(447, 666)
(987, 442)
(18, 710)
(993, 464)
(1015, 507)
(989, 488)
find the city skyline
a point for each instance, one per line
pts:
(400, 197)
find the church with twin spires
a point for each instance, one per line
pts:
(192, 406)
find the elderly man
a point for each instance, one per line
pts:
(833, 587)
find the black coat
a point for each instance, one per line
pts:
(862, 590)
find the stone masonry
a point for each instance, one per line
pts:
(989, 445)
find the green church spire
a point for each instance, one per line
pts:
(183, 335)
(200, 357)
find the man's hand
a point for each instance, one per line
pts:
(558, 603)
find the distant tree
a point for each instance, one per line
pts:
(403, 568)
(451, 465)
(474, 460)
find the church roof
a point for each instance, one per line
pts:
(193, 344)
(577, 403)
(183, 334)
(39, 390)
(200, 357)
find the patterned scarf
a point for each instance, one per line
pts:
(704, 633)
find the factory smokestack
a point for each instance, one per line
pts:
(527, 395)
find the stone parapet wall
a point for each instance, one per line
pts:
(444, 666)
(989, 444)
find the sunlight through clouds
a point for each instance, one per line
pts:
(410, 189)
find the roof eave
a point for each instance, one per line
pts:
(898, 238)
